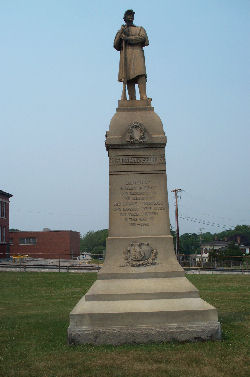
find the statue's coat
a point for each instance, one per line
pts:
(134, 58)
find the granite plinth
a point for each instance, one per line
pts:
(185, 332)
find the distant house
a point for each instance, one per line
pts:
(199, 257)
(213, 245)
(207, 247)
(48, 244)
(4, 224)
(245, 249)
(85, 256)
(219, 245)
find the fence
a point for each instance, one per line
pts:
(234, 262)
(93, 262)
(18, 262)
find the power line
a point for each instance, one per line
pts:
(205, 222)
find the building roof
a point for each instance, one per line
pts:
(5, 194)
(215, 243)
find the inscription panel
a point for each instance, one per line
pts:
(137, 160)
(138, 205)
(148, 160)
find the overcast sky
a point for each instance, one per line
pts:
(59, 91)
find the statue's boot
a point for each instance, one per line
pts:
(131, 90)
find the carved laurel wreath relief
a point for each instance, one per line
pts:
(139, 254)
(136, 133)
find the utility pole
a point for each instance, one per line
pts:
(176, 191)
(201, 247)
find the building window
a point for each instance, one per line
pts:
(11, 241)
(2, 209)
(27, 241)
(2, 234)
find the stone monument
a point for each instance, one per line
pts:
(141, 294)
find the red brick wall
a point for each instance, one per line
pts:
(4, 222)
(74, 244)
(49, 244)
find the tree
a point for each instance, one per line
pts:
(240, 231)
(94, 242)
(189, 243)
(207, 237)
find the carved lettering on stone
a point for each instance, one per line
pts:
(139, 254)
(138, 203)
(137, 160)
(136, 133)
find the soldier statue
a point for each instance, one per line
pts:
(130, 40)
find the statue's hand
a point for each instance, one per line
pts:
(124, 37)
(124, 30)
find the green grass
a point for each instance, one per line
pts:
(34, 316)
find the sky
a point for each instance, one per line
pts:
(59, 91)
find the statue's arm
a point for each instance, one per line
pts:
(141, 38)
(146, 43)
(118, 40)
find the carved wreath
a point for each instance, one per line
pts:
(136, 133)
(139, 254)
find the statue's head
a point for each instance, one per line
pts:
(129, 16)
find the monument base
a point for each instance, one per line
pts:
(142, 310)
(141, 294)
(184, 332)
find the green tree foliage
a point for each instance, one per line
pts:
(94, 242)
(189, 243)
(242, 231)
(207, 237)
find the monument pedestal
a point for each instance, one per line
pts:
(141, 294)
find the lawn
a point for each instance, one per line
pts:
(34, 316)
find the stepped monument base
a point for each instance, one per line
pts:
(141, 294)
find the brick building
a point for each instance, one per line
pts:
(4, 224)
(48, 244)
